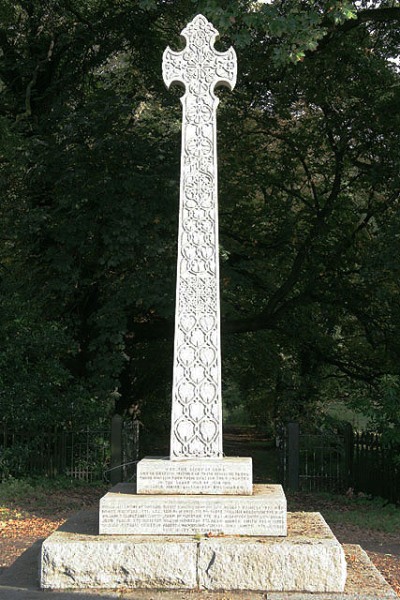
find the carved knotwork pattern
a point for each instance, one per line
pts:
(196, 403)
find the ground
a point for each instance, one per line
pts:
(29, 513)
(25, 522)
(382, 547)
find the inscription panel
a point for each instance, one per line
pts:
(224, 476)
(263, 514)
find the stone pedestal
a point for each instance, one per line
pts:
(309, 559)
(159, 475)
(122, 511)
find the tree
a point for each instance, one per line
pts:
(309, 192)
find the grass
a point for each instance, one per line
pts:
(42, 496)
(361, 511)
(39, 487)
(373, 514)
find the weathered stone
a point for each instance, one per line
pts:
(310, 559)
(231, 475)
(124, 512)
(196, 430)
(75, 560)
(119, 563)
(364, 582)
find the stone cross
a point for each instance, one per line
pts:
(196, 430)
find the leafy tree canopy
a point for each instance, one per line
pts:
(309, 207)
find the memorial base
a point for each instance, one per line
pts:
(310, 559)
(228, 475)
(122, 511)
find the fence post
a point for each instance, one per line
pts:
(293, 434)
(349, 455)
(63, 452)
(3, 446)
(130, 448)
(116, 450)
(136, 432)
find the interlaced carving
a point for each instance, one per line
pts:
(196, 396)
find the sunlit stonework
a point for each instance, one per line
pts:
(196, 430)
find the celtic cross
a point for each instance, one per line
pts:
(196, 430)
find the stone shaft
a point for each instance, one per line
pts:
(196, 430)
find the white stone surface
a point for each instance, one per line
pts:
(124, 512)
(196, 396)
(232, 475)
(309, 560)
(116, 563)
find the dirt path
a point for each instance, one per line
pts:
(382, 548)
(24, 522)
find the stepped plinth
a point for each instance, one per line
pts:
(308, 559)
(123, 511)
(194, 520)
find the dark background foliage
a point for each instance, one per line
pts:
(309, 209)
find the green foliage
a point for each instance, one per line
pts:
(37, 387)
(32, 497)
(309, 219)
(36, 488)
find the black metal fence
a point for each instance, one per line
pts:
(85, 454)
(338, 461)
(331, 462)
(313, 462)
(376, 466)
(124, 449)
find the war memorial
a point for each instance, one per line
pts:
(194, 520)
